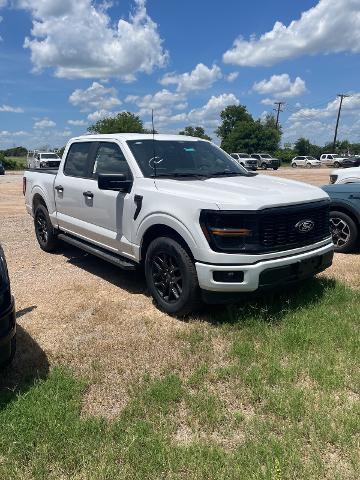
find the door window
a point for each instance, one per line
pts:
(77, 160)
(110, 159)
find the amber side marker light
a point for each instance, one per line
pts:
(231, 232)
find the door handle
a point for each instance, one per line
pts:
(88, 194)
(59, 188)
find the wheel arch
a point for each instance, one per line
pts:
(162, 230)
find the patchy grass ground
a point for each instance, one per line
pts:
(268, 389)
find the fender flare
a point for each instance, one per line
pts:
(169, 221)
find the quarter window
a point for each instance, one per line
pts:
(110, 159)
(77, 160)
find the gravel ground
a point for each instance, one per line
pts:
(76, 309)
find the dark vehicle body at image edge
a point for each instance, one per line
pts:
(344, 215)
(7, 316)
(2, 169)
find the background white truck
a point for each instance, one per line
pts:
(332, 159)
(43, 160)
(200, 224)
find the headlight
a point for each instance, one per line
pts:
(228, 231)
(333, 178)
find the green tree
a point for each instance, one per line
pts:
(230, 116)
(302, 146)
(124, 122)
(195, 132)
(250, 137)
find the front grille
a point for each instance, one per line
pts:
(270, 230)
(277, 226)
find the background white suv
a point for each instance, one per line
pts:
(305, 161)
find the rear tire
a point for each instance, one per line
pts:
(264, 166)
(344, 232)
(45, 232)
(308, 165)
(336, 164)
(171, 277)
(294, 165)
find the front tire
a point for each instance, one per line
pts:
(171, 277)
(264, 166)
(344, 231)
(336, 164)
(308, 165)
(44, 230)
(294, 165)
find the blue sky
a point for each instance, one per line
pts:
(66, 63)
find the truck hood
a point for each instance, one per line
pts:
(242, 193)
(347, 172)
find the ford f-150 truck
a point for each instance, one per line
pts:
(203, 227)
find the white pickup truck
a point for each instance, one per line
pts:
(203, 227)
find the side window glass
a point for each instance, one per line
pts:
(77, 160)
(110, 159)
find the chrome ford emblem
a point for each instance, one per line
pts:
(305, 226)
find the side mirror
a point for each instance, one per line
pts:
(114, 181)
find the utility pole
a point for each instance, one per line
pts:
(342, 96)
(278, 110)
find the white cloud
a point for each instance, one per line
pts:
(77, 38)
(209, 113)
(77, 123)
(10, 109)
(351, 106)
(98, 115)
(232, 76)
(45, 123)
(281, 86)
(267, 101)
(162, 102)
(332, 26)
(318, 124)
(95, 97)
(201, 78)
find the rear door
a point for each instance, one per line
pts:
(70, 184)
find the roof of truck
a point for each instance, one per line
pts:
(137, 136)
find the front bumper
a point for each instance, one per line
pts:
(7, 326)
(267, 273)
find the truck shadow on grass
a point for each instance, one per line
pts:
(30, 363)
(271, 306)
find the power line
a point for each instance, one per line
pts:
(342, 96)
(278, 110)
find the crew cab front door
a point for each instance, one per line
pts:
(110, 213)
(86, 211)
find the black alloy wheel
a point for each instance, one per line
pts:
(166, 276)
(45, 233)
(171, 277)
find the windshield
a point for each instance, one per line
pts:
(311, 158)
(243, 155)
(265, 155)
(49, 155)
(183, 158)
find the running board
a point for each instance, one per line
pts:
(99, 252)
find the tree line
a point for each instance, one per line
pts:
(238, 132)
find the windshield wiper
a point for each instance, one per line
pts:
(226, 172)
(177, 175)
